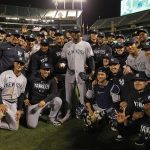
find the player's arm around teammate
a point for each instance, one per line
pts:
(12, 88)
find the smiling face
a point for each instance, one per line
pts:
(140, 85)
(18, 66)
(114, 68)
(132, 48)
(45, 72)
(76, 36)
(143, 36)
(120, 50)
(101, 77)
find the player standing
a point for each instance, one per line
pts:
(76, 52)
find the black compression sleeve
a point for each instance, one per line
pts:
(91, 63)
(20, 101)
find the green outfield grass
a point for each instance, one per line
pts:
(69, 136)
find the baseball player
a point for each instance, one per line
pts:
(103, 95)
(12, 88)
(9, 51)
(42, 94)
(100, 49)
(2, 35)
(136, 61)
(76, 52)
(41, 56)
(131, 117)
(143, 36)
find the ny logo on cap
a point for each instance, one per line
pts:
(147, 43)
(46, 64)
(19, 53)
(137, 75)
(112, 59)
(20, 58)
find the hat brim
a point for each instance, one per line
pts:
(75, 31)
(45, 68)
(23, 62)
(58, 34)
(16, 35)
(139, 79)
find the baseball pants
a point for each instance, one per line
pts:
(69, 92)
(34, 112)
(9, 121)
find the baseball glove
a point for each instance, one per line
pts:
(84, 76)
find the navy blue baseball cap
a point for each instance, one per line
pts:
(142, 30)
(16, 33)
(120, 36)
(94, 31)
(30, 37)
(129, 41)
(146, 46)
(45, 66)
(45, 42)
(114, 61)
(8, 34)
(140, 76)
(101, 34)
(58, 33)
(119, 45)
(111, 34)
(107, 56)
(75, 29)
(2, 30)
(103, 69)
(20, 59)
(52, 28)
(135, 34)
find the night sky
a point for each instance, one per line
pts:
(93, 9)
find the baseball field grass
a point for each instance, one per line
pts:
(70, 136)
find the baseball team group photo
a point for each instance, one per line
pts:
(69, 84)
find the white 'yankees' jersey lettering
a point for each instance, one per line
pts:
(11, 85)
(41, 86)
(138, 104)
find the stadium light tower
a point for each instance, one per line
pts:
(56, 2)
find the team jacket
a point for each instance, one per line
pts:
(136, 100)
(99, 51)
(145, 128)
(41, 89)
(8, 53)
(123, 81)
(36, 60)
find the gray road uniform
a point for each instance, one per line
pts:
(76, 55)
(12, 89)
(139, 63)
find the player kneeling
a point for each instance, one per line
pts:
(12, 88)
(42, 94)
